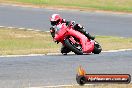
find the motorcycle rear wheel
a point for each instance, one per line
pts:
(97, 48)
(72, 47)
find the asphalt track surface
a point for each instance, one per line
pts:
(31, 71)
(95, 23)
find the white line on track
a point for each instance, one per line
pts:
(21, 28)
(23, 55)
(60, 53)
(1, 26)
(117, 50)
(58, 86)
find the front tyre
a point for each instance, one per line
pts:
(72, 47)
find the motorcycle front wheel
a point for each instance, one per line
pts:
(73, 47)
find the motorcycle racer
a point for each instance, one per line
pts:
(56, 20)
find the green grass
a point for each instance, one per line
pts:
(112, 5)
(114, 43)
(14, 41)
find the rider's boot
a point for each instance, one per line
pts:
(82, 30)
(89, 36)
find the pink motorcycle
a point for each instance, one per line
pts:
(75, 41)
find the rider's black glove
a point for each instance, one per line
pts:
(52, 31)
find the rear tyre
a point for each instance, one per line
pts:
(72, 47)
(97, 48)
